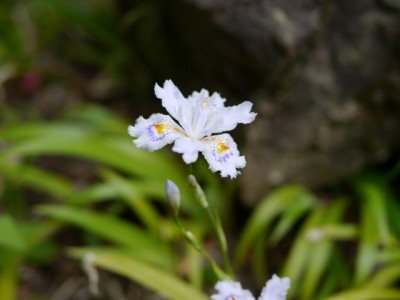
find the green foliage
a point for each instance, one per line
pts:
(344, 247)
(10, 236)
(125, 176)
(163, 282)
(22, 241)
(346, 244)
(140, 243)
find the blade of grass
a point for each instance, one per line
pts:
(268, 209)
(367, 294)
(79, 141)
(259, 260)
(141, 244)
(134, 198)
(36, 178)
(290, 215)
(155, 279)
(9, 280)
(115, 152)
(385, 277)
(94, 193)
(374, 227)
(10, 235)
(321, 250)
(297, 262)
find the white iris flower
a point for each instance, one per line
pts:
(275, 289)
(192, 124)
(231, 290)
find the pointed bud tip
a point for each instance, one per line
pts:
(173, 194)
(192, 180)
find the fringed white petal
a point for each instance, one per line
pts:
(275, 289)
(234, 115)
(222, 155)
(217, 101)
(171, 98)
(198, 96)
(189, 148)
(231, 290)
(155, 132)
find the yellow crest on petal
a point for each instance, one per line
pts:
(222, 147)
(159, 128)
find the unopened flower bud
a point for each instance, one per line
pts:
(173, 194)
(198, 192)
(192, 181)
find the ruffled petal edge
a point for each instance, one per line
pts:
(171, 98)
(155, 132)
(275, 289)
(228, 289)
(222, 155)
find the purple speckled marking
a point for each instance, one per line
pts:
(222, 159)
(152, 136)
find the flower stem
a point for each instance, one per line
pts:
(215, 221)
(195, 244)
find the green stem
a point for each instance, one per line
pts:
(223, 244)
(195, 244)
(215, 221)
(190, 166)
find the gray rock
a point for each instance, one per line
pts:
(329, 99)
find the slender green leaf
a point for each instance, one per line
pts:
(374, 227)
(9, 280)
(259, 259)
(141, 244)
(268, 209)
(338, 274)
(99, 118)
(290, 216)
(367, 294)
(96, 192)
(339, 231)
(393, 210)
(298, 260)
(155, 279)
(374, 195)
(10, 235)
(84, 142)
(115, 152)
(36, 178)
(389, 255)
(135, 199)
(385, 277)
(24, 131)
(194, 259)
(320, 250)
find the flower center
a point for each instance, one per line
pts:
(201, 120)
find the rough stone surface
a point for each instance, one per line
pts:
(329, 97)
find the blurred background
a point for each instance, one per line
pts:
(318, 200)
